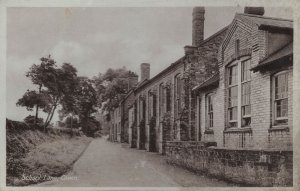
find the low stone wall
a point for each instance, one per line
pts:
(247, 167)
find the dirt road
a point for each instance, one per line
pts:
(106, 164)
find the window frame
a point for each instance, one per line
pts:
(177, 94)
(161, 100)
(274, 109)
(208, 120)
(238, 84)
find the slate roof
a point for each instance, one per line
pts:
(179, 61)
(210, 82)
(267, 22)
(283, 53)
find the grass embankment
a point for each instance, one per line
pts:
(34, 156)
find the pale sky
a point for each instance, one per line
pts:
(95, 39)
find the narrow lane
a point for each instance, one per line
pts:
(106, 164)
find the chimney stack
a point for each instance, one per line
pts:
(145, 71)
(198, 25)
(254, 10)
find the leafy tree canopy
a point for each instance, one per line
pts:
(112, 86)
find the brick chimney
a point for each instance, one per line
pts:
(254, 10)
(198, 25)
(145, 71)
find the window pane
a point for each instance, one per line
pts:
(232, 75)
(232, 113)
(232, 96)
(282, 108)
(246, 122)
(246, 90)
(246, 70)
(281, 86)
(209, 105)
(246, 110)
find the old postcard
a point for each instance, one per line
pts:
(149, 95)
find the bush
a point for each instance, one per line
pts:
(90, 126)
(75, 123)
(30, 120)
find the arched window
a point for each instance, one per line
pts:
(238, 93)
(280, 98)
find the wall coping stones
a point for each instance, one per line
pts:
(252, 149)
(279, 128)
(245, 129)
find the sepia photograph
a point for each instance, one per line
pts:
(148, 97)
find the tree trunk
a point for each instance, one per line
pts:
(36, 114)
(51, 116)
(45, 125)
(37, 108)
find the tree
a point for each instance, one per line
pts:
(33, 99)
(62, 84)
(53, 85)
(111, 87)
(80, 102)
(39, 75)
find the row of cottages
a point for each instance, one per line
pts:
(230, 96)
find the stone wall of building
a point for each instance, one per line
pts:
(246, 167)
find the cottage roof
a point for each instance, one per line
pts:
(282, 54)
(213, 81)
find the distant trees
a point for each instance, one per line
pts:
(111, 87)
(81, 102)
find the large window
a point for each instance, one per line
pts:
(239, 90)
(209, 111)
(280, 86)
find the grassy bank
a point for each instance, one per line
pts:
(34, 156)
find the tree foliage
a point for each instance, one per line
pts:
(30, 119)
(32, 98)
(111, 87)
(53, 83)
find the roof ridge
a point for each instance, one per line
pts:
(265, 17)
(213, 35)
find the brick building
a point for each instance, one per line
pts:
(248, 102)
(225, 107)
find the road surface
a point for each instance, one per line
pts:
(106, 164)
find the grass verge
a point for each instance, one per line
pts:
(49, 159)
